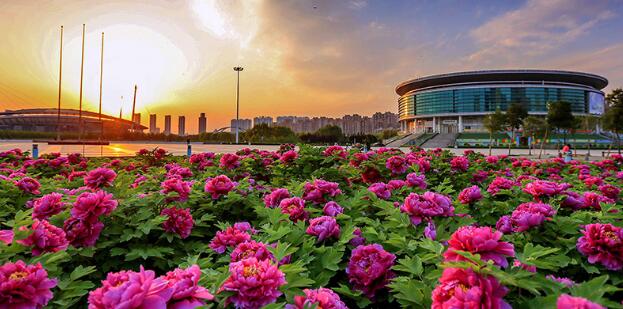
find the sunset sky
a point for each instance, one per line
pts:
(307, 58)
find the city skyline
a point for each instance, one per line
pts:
(337, 58)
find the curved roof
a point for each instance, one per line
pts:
(67, 114)
(553, 76)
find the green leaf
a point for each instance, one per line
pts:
(412, 265)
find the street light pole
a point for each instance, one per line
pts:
(238, 69)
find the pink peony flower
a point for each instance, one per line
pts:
(335, 151)
(179, 221)
(231, 237)
(323, 227)
(91, 205)
(463, 288)
(47, 206)
(416, 181)
(24, 286)
(380, 190)
(499, 184)
(542, 188)
(254, 283)
(230, 161)
(479, 176)
(427, 205)
(319, 190)
(357, 239)
(610, 191)
(566, 301)
(295, 208)
(369, 268)
(82, 232)
(603, 244)
(219, 186)
(397, 165)
(129, 289)
(492, 159)
(100, 177)
(288, 157)
(479, 240)
(470, 195)
(251, 248)
(321, 298)
(275, 197)
(186, 290)
(332, 209)
(45, 237)
(6, 236)
(28, 185)
(528, 215)
(177, 185)
(459, 163)
(594, 200)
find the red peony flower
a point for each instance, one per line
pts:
(479, 240)
(231, 237)
(219, 186)
(249, 249)
(254, 283)
(295, 208)
(82, 232)
(100, 177)
(47, 206)
(230, 161)
(91, 205)
(28, 185)
(369, 268)
(186, 290)
(463, 288)
(177, 185)
(603, 244)
(470, 195)
(179, 221)
(24, 286)
(45, 237)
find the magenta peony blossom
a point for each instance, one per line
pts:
(28, 185)
(321, 298)
(323, 227)
(129, 289)
(332, 209)
(499, 184)
(459, 163)
(254, 283)
(566, 301)
(430, 231)
(219, 186)
(479, 240)
(230, 161)
(251, 248)
(470, 195)
(603, 244)
(563, 280)
(45, 237)
(24, 286)
(594, 200)
(479, 176)
(275, 197)
(396, 184)
(177, 185)
(6, 236)
(463, 288)
(91, 205)
(492, 159)
(288, 157)
(82, 232)
(427, 205)
(186, 290)
(100, 177)
(380, 190)
(573, 200)
(179, 221)
(542, 188)
(335, 151)
(295, 208)
(369, 268)
(397, 165)
(416, 181)
(357, 239)
(47, 206)
(528, 215)
(231, 237)
(610, 191)
(318, 191)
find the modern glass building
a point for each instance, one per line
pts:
(458, 102)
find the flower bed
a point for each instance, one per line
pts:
(309, 227)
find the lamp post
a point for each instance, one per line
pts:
(237, 69)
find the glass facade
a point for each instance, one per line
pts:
(488, 99)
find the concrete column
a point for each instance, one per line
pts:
(434, 124)
(460, 124)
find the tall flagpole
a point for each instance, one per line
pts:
(133, 108)
(60, 78)
(101, 77)
(81, 77)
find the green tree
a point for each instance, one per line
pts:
(532, 127)
(613, 118)
(515, 115)
(560, 117)
(494, 123)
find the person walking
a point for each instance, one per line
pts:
(566, 151)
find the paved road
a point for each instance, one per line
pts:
(121, 149)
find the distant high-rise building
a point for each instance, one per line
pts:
(181, 126)
(242, 124)
(263, 120)
(203, 123)
(167, 124)
(152, 124)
